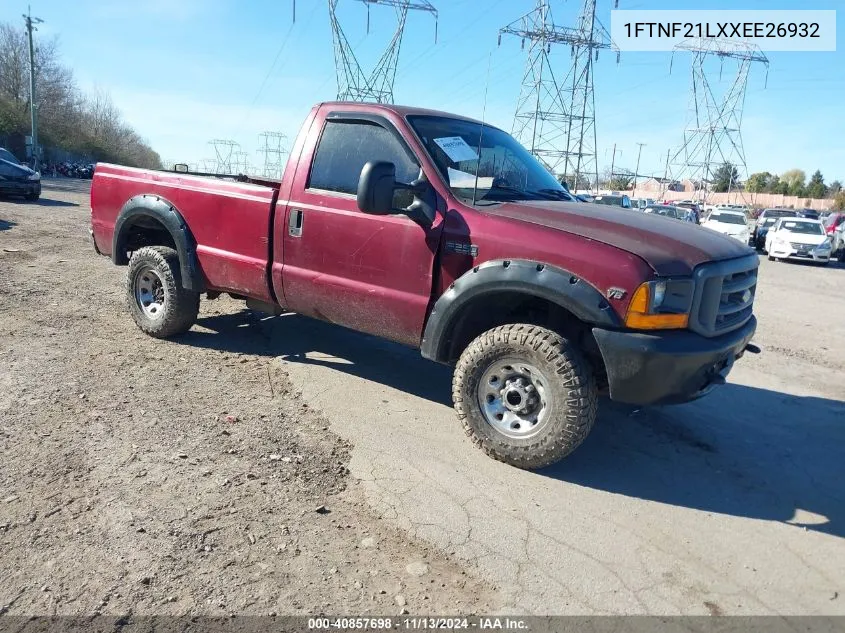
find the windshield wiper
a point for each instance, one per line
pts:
(557, 194)
(523, 195)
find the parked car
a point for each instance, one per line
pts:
(765, 221)
(692, 206)
(730, 223)
(833, 221)
(614, 201)
(382, 224)
(19, 180)
(665, 210)
(642, 203)
(838, 245)
(812, 214)
(799, 238)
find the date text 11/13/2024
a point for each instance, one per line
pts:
(412, 623)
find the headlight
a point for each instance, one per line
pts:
(825, 246)
(35, 176)
(660, 305)
(658, 290)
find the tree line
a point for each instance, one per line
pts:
(792, 182)
(88, 126)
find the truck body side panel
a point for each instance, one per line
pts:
(230, 221)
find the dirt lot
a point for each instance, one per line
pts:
(158, 478)
(186, 476)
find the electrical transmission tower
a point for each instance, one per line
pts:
(272, 153)
(353, 84)
(240, 162)
(555, 116)
(224, 152)
(712, 136)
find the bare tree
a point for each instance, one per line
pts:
(90, 127)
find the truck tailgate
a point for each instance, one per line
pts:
(230, 221)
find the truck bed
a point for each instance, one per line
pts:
(230, 221)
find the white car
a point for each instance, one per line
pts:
(799, 238)
(730, 223)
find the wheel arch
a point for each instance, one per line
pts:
(150, 220)
(501, 291)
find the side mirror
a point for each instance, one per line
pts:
(181, 168)
(376, 186)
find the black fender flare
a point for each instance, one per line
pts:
(157, 208)
(552, 283)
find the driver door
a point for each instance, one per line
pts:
(366, 272)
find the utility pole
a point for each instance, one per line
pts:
(666, 170)
(637, 170)
(612, 164)
(30, 27)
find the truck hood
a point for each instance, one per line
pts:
(669, 246)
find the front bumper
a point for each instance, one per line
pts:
(21, 187)
(668, 367)
(787, 252)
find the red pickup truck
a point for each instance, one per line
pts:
(443, 233)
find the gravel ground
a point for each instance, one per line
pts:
(149, 477)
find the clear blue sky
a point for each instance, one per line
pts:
(186, 71)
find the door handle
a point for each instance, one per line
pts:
(295, 223)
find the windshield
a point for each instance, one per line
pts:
(667, 211)
(728, 218)
(780, 213)
(805, 228)
(506, 171)
(7, 155)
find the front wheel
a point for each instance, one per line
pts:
(525, 395)
(159, 304)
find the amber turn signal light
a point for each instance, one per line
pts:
(639, 318)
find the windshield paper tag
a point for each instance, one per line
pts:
(456, 148)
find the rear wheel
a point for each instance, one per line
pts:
(159, 304)
(525, 395)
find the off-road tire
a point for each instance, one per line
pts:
(181, 306)
(573, 386)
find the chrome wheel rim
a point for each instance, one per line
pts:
(149, 293)
(514, 397)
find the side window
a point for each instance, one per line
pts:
(346, 146)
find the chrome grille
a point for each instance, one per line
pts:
(724, 295)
